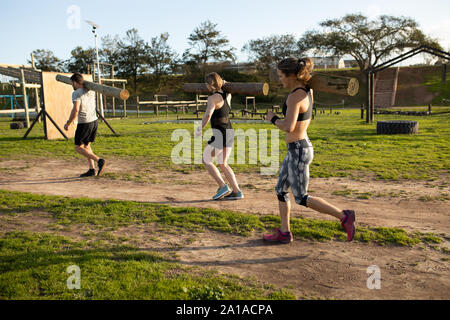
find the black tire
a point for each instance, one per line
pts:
(397, 127)
(17, 125)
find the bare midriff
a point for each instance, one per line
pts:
(300, 132)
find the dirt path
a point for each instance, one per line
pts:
(392, 204)
(327, 270)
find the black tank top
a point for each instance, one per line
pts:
(301, 116)
(220, 119)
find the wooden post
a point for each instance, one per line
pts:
(429, 108)
(36, 91)
(196, 104)
(14, 97)
(124, 102)
(137, 106)
(444, 73)
(362, 111)
(113, 99)
(25, 98)
(372, 107)
(369, 98)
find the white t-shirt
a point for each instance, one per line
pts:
(87, 112)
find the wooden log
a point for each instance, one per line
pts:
(334, 84)
(99, 88)
(258, 89)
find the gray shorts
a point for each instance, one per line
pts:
(294, 172)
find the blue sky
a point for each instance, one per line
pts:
(30, 25)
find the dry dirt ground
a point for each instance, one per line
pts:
(311, 269)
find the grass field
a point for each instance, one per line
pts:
(33, 264)
(115, 265)
(344, 146)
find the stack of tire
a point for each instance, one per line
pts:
(17, 125)
(397, 127)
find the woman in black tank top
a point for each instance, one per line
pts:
(294, 173)
(222, 141)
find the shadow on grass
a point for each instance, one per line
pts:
(41, 181)
(16, 139)
(46, 258)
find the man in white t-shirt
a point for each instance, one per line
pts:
(84, 108)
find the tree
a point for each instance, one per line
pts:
(45, 60)
(368, 42)
(161, 58)
(132, 57)
(206, 43)
(80, 60)
(110, 49)
(268, 51)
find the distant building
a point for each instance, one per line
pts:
(334, 62)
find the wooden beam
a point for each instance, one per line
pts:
(28, 85)
(257, 89)
(334, 84)
(114, 80)
(25, 98)
(99, 88)
(14, 111)
(165, 102)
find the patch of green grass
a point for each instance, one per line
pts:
(34, 266)
(111, 213)
(345, 146)
(353, 193)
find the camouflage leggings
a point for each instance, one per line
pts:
(294, 172)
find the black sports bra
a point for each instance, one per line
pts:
(220, 118)
(301, 116)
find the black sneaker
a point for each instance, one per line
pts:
(234, 196)
(90, 173)
(101, 164)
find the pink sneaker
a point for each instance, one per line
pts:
(279, 237)
(348, 223)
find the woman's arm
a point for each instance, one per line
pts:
(294, 106)
(211, 106)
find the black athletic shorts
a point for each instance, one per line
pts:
(222, 138)
(86, 133)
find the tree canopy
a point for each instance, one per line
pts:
(268, 51)
(206, 43)
(367, 41)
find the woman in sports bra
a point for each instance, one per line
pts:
(294, 74)
(222, 141)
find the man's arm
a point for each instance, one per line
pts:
(73, 114)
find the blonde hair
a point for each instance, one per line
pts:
(214, 80)
(302, 68)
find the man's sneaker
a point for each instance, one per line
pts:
(348, 223)
(279, 236)
(234, 196)
(222, 192)
(101, 164)
(90, 173)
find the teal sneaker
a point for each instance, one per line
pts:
(222, 192)
(234, 196)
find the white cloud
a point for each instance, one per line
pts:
(373, 12)
(440, 31)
